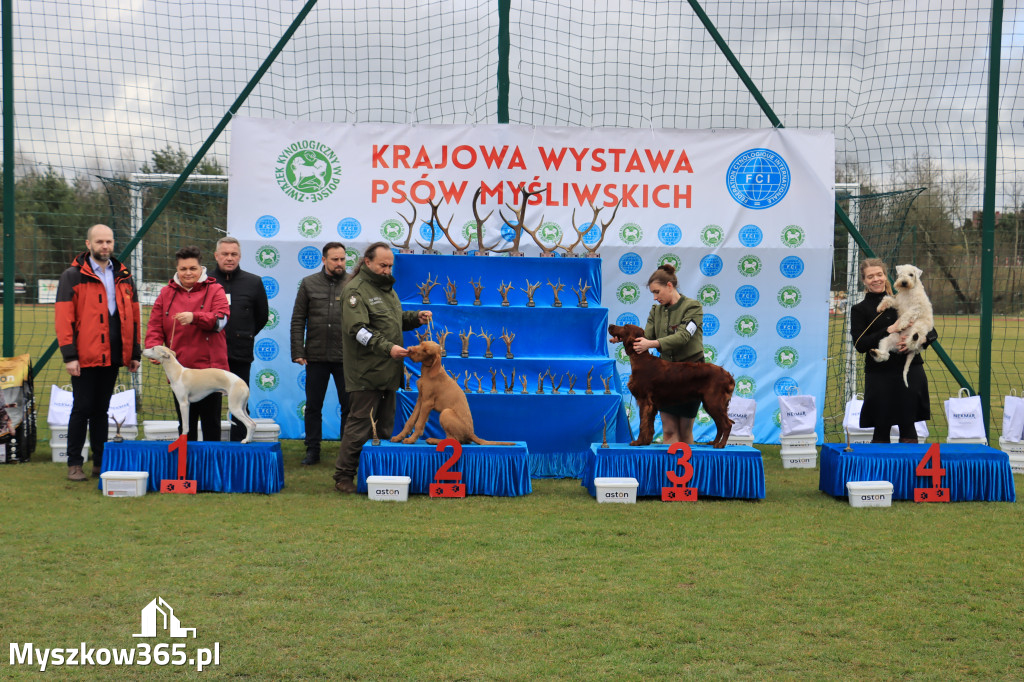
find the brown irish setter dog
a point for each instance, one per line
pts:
(656, 382)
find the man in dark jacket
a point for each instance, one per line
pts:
(373, 322)
(249, 313)
(97, 318)
(316, 342)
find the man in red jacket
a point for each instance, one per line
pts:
(97, 319)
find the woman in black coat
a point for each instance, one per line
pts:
(887, 401)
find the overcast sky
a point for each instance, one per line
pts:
(100, 84)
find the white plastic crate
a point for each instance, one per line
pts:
(805, 460)
(393, 488)
(740, 440)
(168, 430)
(124, 483)
(267, 431)
(799, 444)
(128, 432)
(620, 490)
(869, 493)
(59, 449)
(967, 441)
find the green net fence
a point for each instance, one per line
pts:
(105, 91)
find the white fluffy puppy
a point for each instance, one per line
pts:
(915, 317)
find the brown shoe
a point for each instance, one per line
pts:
(75, 473)
(345, 486)
(96, 470)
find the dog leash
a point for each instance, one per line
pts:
(868, 327)
(174, 325)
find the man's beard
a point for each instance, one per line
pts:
(99, 257)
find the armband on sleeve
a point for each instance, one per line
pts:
(363, 336)
(691, 327)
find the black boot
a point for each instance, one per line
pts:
(312, 456)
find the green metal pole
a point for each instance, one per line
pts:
(504, 44)
(777, 123)
(988, 215)
(9, 248)
(253, 82)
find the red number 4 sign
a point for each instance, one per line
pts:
(930, 466)
(678, 491)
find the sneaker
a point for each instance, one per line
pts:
(312, 457)
(345, 486)
(75, 473)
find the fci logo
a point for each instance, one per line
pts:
(267, 380)
(749, 266)
(793, 236)
(628, 293)
(712, 235)
(268, 256)
(310, 227)
(631, 233)
(391, 229)
(709, 294)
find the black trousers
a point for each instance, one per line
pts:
(91, 400)
(206, 411)
(382, 405)
(242, 369)
(318, 375)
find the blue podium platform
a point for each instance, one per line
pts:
(973, 472)
(497, 470)
(214, 466)
(733, 471)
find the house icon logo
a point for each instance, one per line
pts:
(158, 614)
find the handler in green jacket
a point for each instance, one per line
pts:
(372, 322)
(675, 328)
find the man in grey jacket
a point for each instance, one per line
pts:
(316, 340)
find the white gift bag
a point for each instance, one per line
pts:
(122, 408)
(59, 413)
(1013, 418)
(851, 417)
(920, 427)
(741, 412)
(798, 413)
(964, 416)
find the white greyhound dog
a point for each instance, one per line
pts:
(190, 385)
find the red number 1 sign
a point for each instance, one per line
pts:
(934, 472)
(678, 491)
(445, 473)
(179, 485)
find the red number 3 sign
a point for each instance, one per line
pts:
(678, 491)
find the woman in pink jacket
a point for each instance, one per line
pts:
(189, 317)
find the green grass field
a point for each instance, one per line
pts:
(310, 584)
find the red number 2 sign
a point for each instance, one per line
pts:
(678, 492)
(930, 466)
(445, 473)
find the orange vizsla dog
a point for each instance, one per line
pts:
(439, 392)
(656, 382)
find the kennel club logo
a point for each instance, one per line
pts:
(749, 266)
(628, 293)
(709, 294)
(758, 178)
(746, 325)
(267, 256)
(793, 236)
(310, 227)
(712, 235)
(307, 170)
(786, 357)
(789, 297)
(631, 234)
(391, 229)
(268, 380)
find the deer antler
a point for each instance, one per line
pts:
(519, 225)
(480, 248)
(435, 224)
(459, 250)
(604, 226)
(546, 251)
(410, 223)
